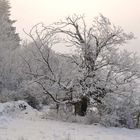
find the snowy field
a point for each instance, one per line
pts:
(28, 126)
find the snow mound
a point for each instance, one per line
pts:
(17, 109)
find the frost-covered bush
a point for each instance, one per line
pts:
(17, 109)
(59, 113)
(119, 112)
(62, 114)
(8, 95)
(116, 120)
(31, 93)
(92, 116)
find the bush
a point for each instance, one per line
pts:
(119, 112)
(58, 114)
(63, 114)
(114, 120)
(92, 117)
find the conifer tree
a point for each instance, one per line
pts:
(8, 37)
(9, 42)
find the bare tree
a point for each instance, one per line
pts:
(45, 66)
(101, 65)
(97, 67)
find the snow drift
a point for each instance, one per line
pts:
(17, 109)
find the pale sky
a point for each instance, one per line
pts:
(125, 13)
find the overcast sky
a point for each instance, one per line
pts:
(125, 13)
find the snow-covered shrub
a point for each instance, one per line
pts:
(17, 109)
(31, 93)
(116, 120)
(92, 116)
(66, 117)
(61, 113)
(118, 112)
(10, 95)
(5, 95)
(21, 94)
(13, 108)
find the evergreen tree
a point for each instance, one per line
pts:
(9, 42)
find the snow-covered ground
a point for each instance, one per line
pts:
(34, 128)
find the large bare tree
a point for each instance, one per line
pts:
(96, 68)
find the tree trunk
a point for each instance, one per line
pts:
(138, 120)
(81, 106)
